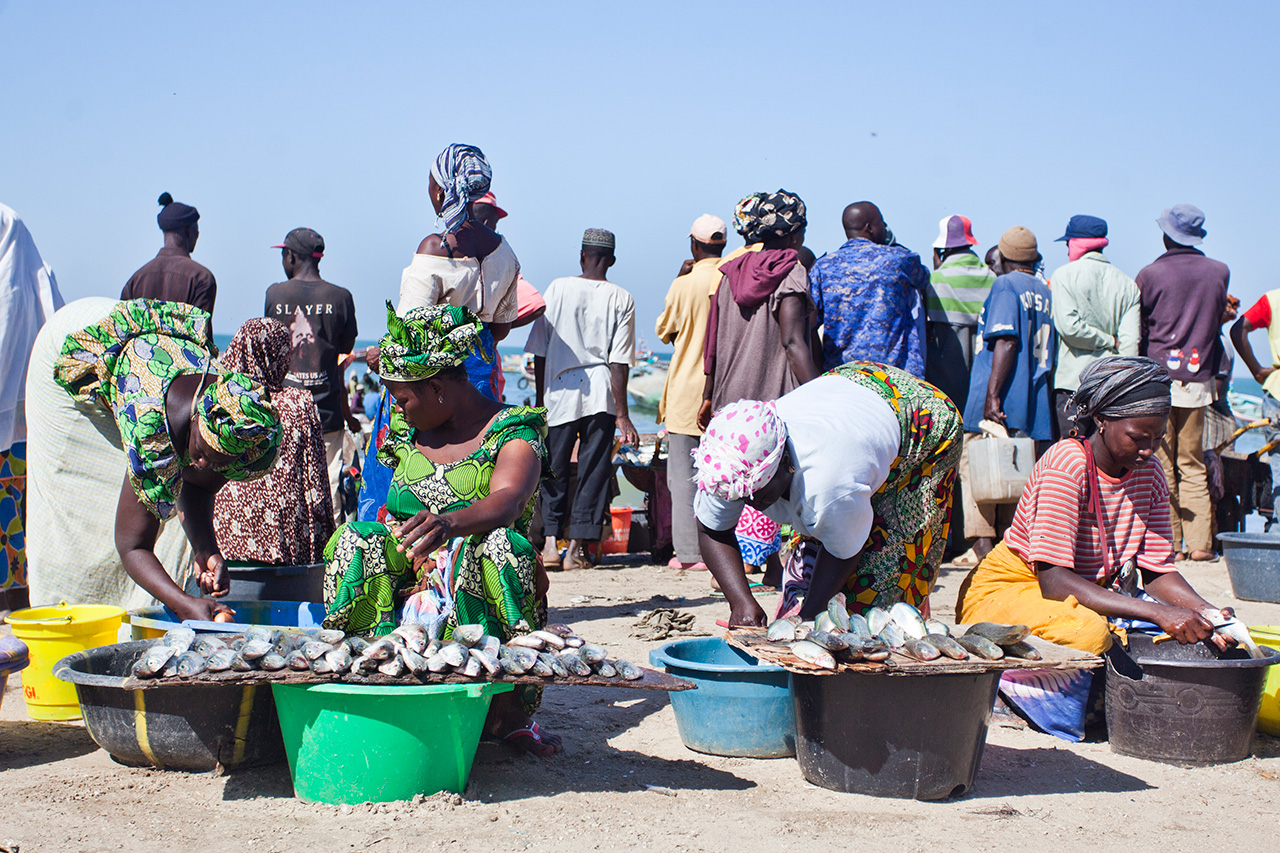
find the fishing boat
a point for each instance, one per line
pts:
(647, 380)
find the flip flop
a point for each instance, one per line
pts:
(754, 587)
(531, 733)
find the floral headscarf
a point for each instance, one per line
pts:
(428, 340)
(741, 450)
(237, 419)
(464, 174)
(261, 349)
(761, 216)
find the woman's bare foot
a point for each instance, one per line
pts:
(509, 723)
(1202, 556)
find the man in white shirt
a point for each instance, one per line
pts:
(583, 347)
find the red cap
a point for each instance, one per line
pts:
(488, 199)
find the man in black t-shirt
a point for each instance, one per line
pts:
(322, 318)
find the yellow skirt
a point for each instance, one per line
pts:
(1004, 589)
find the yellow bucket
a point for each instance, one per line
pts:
(1269, 715)
(52, 633)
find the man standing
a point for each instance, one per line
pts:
(684, 322)
(1184, 296)
(172, 276)
(1011, 368)
(322, 318)
(1097, 309)
(868, 295)
(583, 347)
(957, 290)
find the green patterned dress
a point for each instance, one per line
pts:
(491, 577)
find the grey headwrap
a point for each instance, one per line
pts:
(1121, 386)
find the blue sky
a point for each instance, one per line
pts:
(633, 117)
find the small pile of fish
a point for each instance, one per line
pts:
(838, 635)
(555, 652)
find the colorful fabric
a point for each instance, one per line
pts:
(912, 510)
(764, 216)
(426, 341)
(238, 419)
(868, 297)
(958, 289)
(464, 175)
(1055, 701)
(1078, 247)
(741, 450)
(759, 537)
(13, 539)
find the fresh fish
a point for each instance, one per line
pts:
(320, 666)
(892, 635)
(574, 663)
(364, 664)
(936, 627)
(839, 612)
(980, 646)
(628, 670)
(1022, 649)
(526, 657)
(356, 645)
(316, 649)
(190, 663)
(332, 636)
(383, 649)
(489, 645)
(574, 642)
(205, 646)
(559, 630)
(468, 635)
(239, 664)
(858, 625)
(553, 641)
(557, 666)
(454, 654)
(830, 642)
(783, 630)
(874, 650)
(432, 648)
(593, 654)
(606, 669)
(273, 662)
(180, 639)
(255, 650)
(510, 664)
(947, 646)
(1232, 629)
(803, 630)
(437, 663)
(237, 642)
(541, 666)
(908, 619)
(435, 625)
(877, 618)
(415, 636)
(286, 644)
(297, 661)
(812, 653)
(470, 669)
(339, 659)
(851, 653)
(396, 640)
(221, 660)
(416, 663)
(824, 624)
(393, 667)
(486, 660)
(171, 668)
(527, 641)
(258, 632)
(921, 650)
(154, 661)
(1001, 635)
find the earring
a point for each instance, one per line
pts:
(439, 398)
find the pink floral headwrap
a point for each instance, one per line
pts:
(741, 450)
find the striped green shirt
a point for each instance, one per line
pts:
(958, 289)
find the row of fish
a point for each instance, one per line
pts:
(837, 634)
(555, 652)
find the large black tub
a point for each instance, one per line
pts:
(183, 727)
(1183, 704)
(909, 736)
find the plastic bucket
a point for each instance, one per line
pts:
(741, 707)
(52, 633)
(999, 468)
(909, 736)
(1183, 704)
(349, 743)
(1269, 710)
(620, 532)
(147, 623)
(1253, 562)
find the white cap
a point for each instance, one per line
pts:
(708, 229)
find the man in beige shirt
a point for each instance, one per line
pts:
(684, 323)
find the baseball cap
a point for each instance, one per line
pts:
(708, 229)
(303, 241)
(1083, 225)
(953, 231)
(488, 199)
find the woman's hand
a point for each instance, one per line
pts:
(1184, 624)
(199, 609)
(704, 415)
(211, 573)
(420, 536)
(748, 614)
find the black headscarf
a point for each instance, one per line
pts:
(1120, 386)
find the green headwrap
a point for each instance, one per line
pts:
(238, 420)
(428, 340)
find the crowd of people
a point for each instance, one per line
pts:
(819, 413)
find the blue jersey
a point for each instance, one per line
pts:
(1017, 309)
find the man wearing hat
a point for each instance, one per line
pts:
(1184, 300)
(957, 290)
(1012, 365)
(583, 347)
(172, 276)
(683, 322)
(1097, 309)
(322, 318)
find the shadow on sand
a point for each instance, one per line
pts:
(1009, 772)
(30, 743)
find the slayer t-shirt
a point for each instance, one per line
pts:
(322, 319)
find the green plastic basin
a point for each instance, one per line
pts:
(349, 743)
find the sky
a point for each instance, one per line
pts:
(631, 117)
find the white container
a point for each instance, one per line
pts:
(999, 468)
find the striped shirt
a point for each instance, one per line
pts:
(1053, 524)
(957, 290)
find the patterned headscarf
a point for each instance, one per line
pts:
(464, 174)
(741, 450)
(761, 216)
(428, 340)
(237, 419)
(1121, 386)
(261, 349)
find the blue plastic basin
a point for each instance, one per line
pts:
(150, 622)
(741, 707)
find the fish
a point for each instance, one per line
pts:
(839, 612)
(220, 660)
(468, 635)
(364, 664)
(437, 663)
(1022, 649)
(908, 619)
(574, 663)
(454, 654)
(356, 645)
(936, 627)
(237, 642)
(239, 664)
(892, 635)
(858, 625)
(415, 636)
(153, 661)
(628, 670)
(332, 636)
(416, 663)
(921, 650)
(812, 653)
(557, 666)
(206, 645)
(1001, 635)
(874, 650)
(383, 649)
(190, 663)
(273, 662)
(593, 654)
(541, 667)
(1232, 629)
(553, 641)
(258, 632)
(877, 618)
(830, 642)
(470, 669)
(255, 650)
(824, 624)
(297, 661)
(490, 645)
(339, 659)
(559, 630)
(782, 630)
(435, 625)
(286, 644)
(527, 641)
(316, 649)
(980, 646)
(393, 667)
(947, 646)
(803, 629)
(526, 657)
(606, 669)
(320, 666)
(574, 642)
(488, 661)
(180, 639)
(511, 665)
(171, 668)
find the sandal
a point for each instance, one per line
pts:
(529, 739)
(967, 560)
